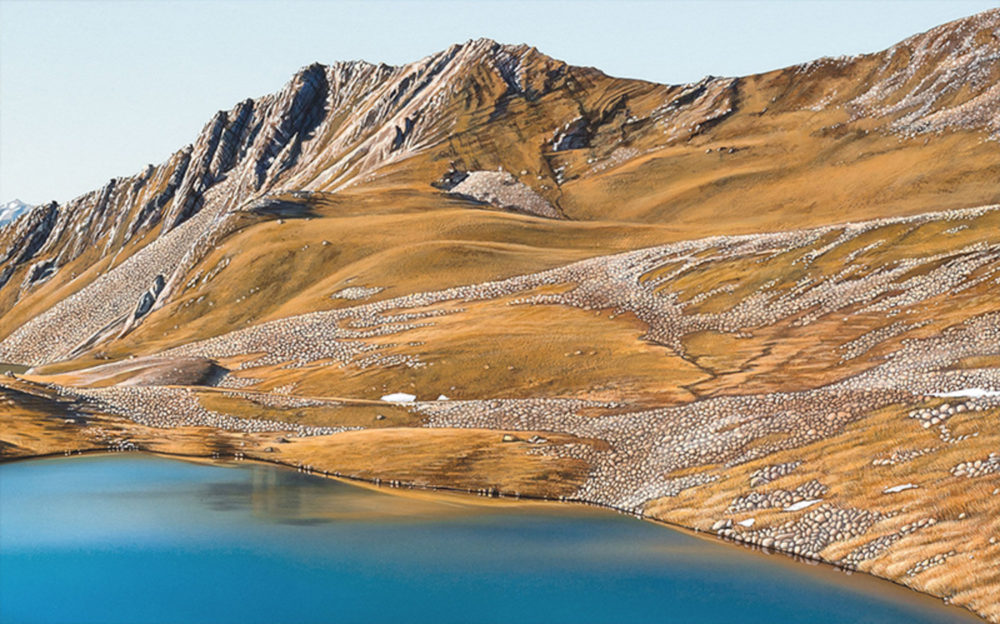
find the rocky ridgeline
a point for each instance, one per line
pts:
(331, 126)
(102, 309)
(26, 238)
(257, 146)
(169, 194)
(399, 111)
(335, 126)
(943, 79)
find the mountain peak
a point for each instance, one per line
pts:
(690, 291)
(536, 123)
(11, 210)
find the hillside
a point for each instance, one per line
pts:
(761, 307)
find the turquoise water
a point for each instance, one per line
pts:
(132, 538)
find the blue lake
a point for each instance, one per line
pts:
(134, 538)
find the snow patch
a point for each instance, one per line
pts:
(399, 397)
(967, 393)
(899, 488)
(803, 504)
(11, 210)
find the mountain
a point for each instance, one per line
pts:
(763, 307)
(12, 210)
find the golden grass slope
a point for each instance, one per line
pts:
(792, 148)
(675, 374)
(759, 291)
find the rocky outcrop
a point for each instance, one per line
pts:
(26, 238)
(148, 298)
(152, 209)
(501, 189)
(574, 135)
(38, 273)
(696, 108)
(332, 127)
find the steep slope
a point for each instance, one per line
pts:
(762, 307)
(579, 144)
(856, 366)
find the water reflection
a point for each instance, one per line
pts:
(282, 496)
(130, 538)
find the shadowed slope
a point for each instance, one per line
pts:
(763, 307)
(790, 148)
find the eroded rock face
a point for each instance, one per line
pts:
(336, 126)
(39, 272)
(30, 234)
(696, 108)
(573, 135)
(26, 238)
(148, 298)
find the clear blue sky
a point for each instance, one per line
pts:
(95, 90)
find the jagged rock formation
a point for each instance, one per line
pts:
(762, 306)
(353, 123)
(29, 237)
(101, 309)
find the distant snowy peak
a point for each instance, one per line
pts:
(12, 210)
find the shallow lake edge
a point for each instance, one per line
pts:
(787, 559)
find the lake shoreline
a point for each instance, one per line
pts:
(791, 559)
(494, 464)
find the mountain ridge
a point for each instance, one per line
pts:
(752, 306)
